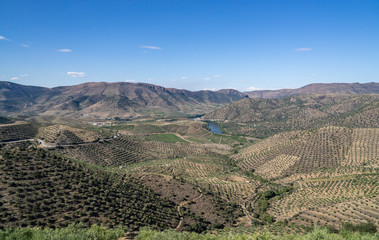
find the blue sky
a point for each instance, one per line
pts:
(191, 44)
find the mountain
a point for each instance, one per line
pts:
(103, 100)
(262, 117)
(134, 100)
(319, 88)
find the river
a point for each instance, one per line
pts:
(215, 128)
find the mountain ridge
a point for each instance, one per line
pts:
(135, 100)
(318, 88)
(103, 99)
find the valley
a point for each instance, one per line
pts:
(280, 165)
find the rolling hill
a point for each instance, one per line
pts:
(334, 172)
(261, 117)
(319, 88)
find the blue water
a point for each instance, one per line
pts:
(215, 128)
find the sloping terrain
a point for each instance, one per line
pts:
(133, 100)
(77, 185)
(334, 172)
(17, 131)
(38, 188)
(319, 88)
(61, 134)
(108, 100)
(265, 117)
(175, 173)
(4, 120)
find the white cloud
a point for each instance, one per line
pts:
(253, 88)
(207, 79)
(19, 77)
(150, 79)
(77, 74)
(130, 80)
(303, 49)
(314, 75)
(184, 78)
(64, 50)
(3, 38)
(151, 47)
(216, 76)
(25, 45)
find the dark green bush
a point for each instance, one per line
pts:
(367, 227)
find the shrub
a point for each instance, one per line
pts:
(367, 227)
(72, 232)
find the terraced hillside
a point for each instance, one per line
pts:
(121, 151)
(202, 180)
(38, 188)
(17, 131)
(266, 117)
(216, 177)
(334, 172)
(53, 134)
(62, 134)
(330, 201)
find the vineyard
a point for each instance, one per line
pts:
(215, 177)
(122, 150)
(39, 188)
(175, 173)
(17, 131)
(296, 152)
(325, 192)
(266, 117)
(194, 203)
(107, 153)
(61, 134)
(357, 211)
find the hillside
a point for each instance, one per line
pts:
(319, 88)
(334, 172)
(74, 158)
(260, 117)
(175, 173)
(38, 188)
(134, 100)
(108, 100)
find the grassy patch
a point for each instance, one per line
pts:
(70, 233)
(148, 129)
(318, 233)
(225, 139)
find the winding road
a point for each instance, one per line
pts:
(185, 203)
(45, 145)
